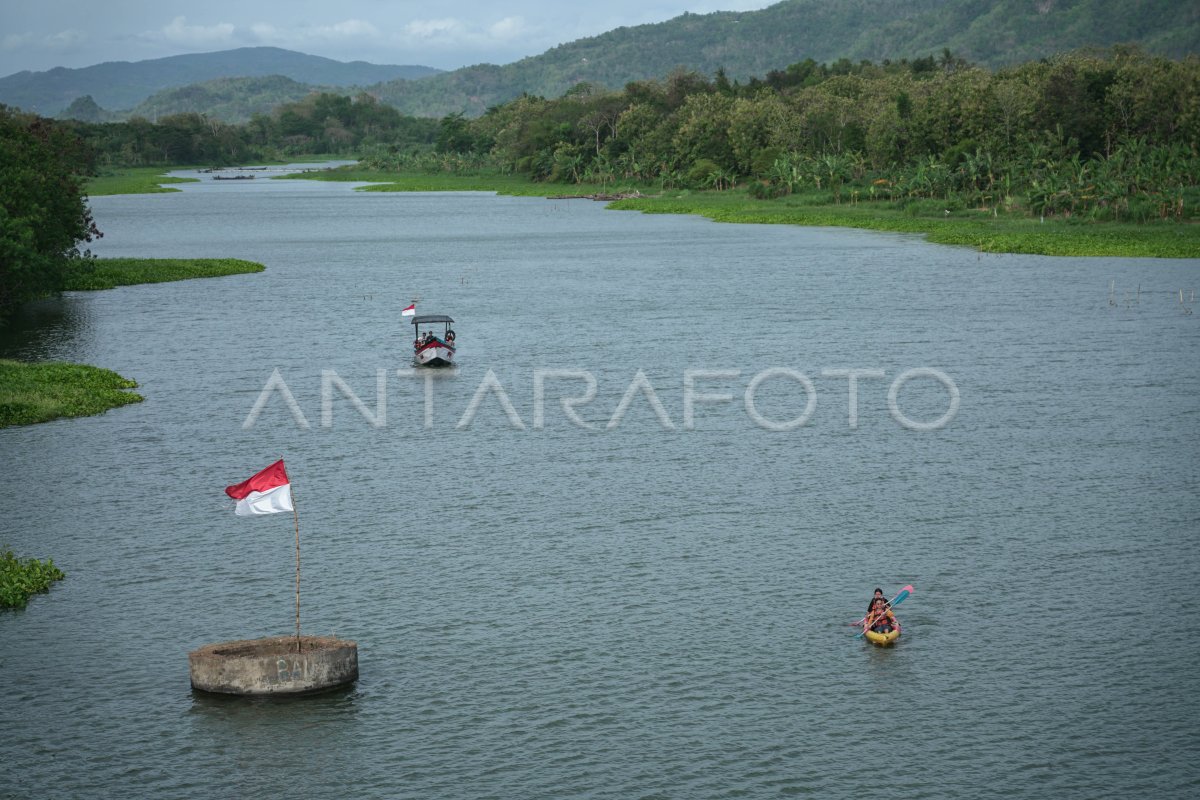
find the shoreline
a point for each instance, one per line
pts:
(109, 273)
(982, 229)
(35, 392)
(135, 180)
(149, 180)
(975, 229)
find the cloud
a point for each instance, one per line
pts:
(434, 28)
(349, 30)
(17, 41)
(178, 32)
(508, 28)
(450, 31)
(422, 38)
(63, 40)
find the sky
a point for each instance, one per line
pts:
(447, 34)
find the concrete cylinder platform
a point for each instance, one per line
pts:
(273, 666)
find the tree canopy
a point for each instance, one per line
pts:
(44, 214)
(322, 122)
(1115, 132)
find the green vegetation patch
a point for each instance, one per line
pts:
(32, 393)
(20, 580)
(981, 230)
(133, 180)
(985, 230)
(389, 181)
(107, 273)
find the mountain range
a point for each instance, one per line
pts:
(994, 33)
(123, 84)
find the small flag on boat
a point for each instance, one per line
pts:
(268, 492)
(408, 312)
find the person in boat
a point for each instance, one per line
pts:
(880, 618)
(878, 596)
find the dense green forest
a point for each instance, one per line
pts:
(319, 123)
(233, 100)
(225, 99)
(43, 212)
(1113, 136)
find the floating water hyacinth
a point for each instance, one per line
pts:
(20, 580)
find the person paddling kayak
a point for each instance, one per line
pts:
(880, 625)
(880, 618)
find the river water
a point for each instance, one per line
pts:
(639, 602)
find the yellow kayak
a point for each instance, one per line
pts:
(884, 639)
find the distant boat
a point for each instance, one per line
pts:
(233, 177)
(429, 349)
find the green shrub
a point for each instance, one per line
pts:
(702, 172)
(956, 155)
(1191, 202)
(764, 160)
(765, 190)
(1143, 209)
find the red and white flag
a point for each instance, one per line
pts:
(408, 312)
(268, 492)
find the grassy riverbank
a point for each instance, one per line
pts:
(32, 393)
(147, 180)
(516, 185)
(985, 230)
(22, 579)
(134, 180)
(109, 273)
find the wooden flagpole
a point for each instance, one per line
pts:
(296, 517)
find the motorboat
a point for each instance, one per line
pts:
(429, 348)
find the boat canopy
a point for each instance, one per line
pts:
(431, 318)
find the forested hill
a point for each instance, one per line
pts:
(118, 85)
(990, 32)
(230, 100)
(993, 33)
